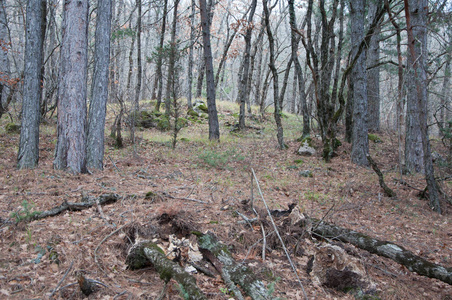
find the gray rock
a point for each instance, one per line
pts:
(306, 150)
(306, 173)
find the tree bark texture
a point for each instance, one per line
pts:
(139, 64)
(190, 55)
(244, 76)
(272, 66)
(159, 72)
(171, 84)
(28, 155)
(298, 70)
(71, 144)
(360, 141)
(414, 153)
(98, 105)
(416, 13)
(4, 61)
(214, 127)
(392, 251)
(145, 253)
(373, 76)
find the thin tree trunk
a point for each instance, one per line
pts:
(159, 72)
(243, 83)
(172, 61)
(71, 143)
(190, 55)
(28, 155)
(277, 113)
(139, 66)
(98, 106)
(214, 127)
(4, 61)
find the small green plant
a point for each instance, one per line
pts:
(27, 213)
(220, 160)
(374, 138)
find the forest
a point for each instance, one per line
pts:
(225, 149)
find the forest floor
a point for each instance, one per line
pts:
(153, 179)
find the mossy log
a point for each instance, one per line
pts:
(229, 268)
(87, 202)
(146, 253)
(390, 250)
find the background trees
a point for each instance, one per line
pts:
(326, 69)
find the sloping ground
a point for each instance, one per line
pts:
(35, 256)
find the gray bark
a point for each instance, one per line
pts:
(360, 142)
(28, 155)
(373, 75)
(139, 66)
(277, 113)
(298, 71)
(159, 72)
(98, 105)
(214, 127)
(416, 13)
(172, 62)
(71, 144)
(414, 153)
(243, 83)
(190, 56)
(4, 61)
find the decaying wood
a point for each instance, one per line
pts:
(87, 202)
(146, 253)
(388, 191)
(392, 251)
(229, 269)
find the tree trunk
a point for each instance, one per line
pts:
(416, 12)
(298, 71)
(172, 62)
(214, 127)
(373, 76)
(139, 65)
(360, 141)
(159, 72)
(201, 72)
(383, 248)
(414, 153)
(4, 61)
(71, 144)
(190, 55)
(28, 155)
(98, 105)
(243, 83)
(277, 113)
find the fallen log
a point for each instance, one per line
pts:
(146, 253)
(230, 269)
(387, 249)
(87, 202)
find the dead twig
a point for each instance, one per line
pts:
(61, 281)
(183, 198)
(104, 239)
(279, 236)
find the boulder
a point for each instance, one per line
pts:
(305, 149)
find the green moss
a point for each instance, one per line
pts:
(202, 107)
(337, 143)
(298, 161)
(163, 123)
(12, 128)
(374, 138)
(192, 113)
(304, 140)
